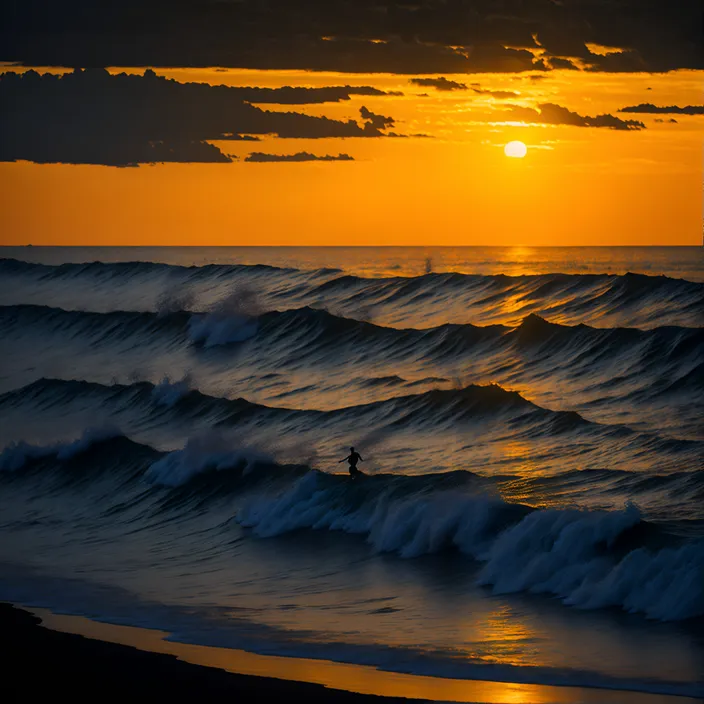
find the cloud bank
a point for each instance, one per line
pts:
(92, 117)
(418, 37)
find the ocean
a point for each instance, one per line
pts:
(175, 423)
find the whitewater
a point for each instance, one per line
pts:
(530, 423)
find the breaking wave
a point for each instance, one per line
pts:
(590, 559)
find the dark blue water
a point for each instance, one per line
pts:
(530, 424)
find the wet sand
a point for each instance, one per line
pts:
(47, 655)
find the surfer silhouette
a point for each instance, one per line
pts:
(353, 458)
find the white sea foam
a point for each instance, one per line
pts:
(168, 393)
(232, 319)
(571, 554)
(17, 454)
(207, 451)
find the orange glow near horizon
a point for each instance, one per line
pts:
(579, 186)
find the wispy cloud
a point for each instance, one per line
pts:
(500, 94)
(552, 114)
(440, 83)
(649, 108)
(288, 95)
(300, 156)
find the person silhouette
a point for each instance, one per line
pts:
(353, 458)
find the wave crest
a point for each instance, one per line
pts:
(586, 558)
(17, 454)
(232, 319)
(205, 452)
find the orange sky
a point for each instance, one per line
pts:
(576, 186)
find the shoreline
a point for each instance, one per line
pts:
(41, 661)
(82, 657)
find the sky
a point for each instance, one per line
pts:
(352, 123)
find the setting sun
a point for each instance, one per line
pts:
(515, 149)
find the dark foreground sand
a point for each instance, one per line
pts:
(38, 663)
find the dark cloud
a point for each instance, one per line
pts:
(300, 156)
(501, 94)
(375, 122)
(441, 83)
(403, 36)
(551, 114)
(489, 57)
(660, 119)
(560, 40)
(240, 137)
(649, 108)
(91, 117)
(557, 63)
(445, 84)
(622, 62)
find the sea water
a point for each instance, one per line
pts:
(530, 423)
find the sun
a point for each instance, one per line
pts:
(516, 149)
